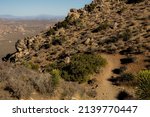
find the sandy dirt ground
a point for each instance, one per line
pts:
(107, 91)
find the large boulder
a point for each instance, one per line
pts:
(20, 45)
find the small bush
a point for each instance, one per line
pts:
(50, 32)
(126, 35)
(50, 67)
(30, 65)
(55, 77)
(34, 66)
(78, 23)
(121, 10)
(90, 7)
(143, 84)
(45, 46)
(57, 41)
(63, 24)
(102, 26)
(43, 85)
(110, 40)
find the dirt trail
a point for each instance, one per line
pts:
(107, 91)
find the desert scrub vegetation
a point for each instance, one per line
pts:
(15, 81)
(31, 65)
(46, 45)
(19, 82)
(48, 83)
(143, 84)
(50, 32)
(126, 35)
(79, 23)
(56, 76)
(102, 26)
(43, 85)
(58, 40)
(90, 8)
(18, 88)
(81, 66)
(64, 24)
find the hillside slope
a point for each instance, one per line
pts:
(109, 26)
(105, 27)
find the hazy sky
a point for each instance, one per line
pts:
(38, 7)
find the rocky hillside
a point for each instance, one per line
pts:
(104, 26)
(112, 27)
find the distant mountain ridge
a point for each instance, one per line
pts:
(38, 17)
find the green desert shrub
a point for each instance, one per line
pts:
(45, 46)
(50, 67)
(56, 76)
(63, 24)
(125, 35)
(81, 66)
(34, 66)
(50, 32)
(31, 65)
(143, 84)
(90, 7)
(57, 41)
